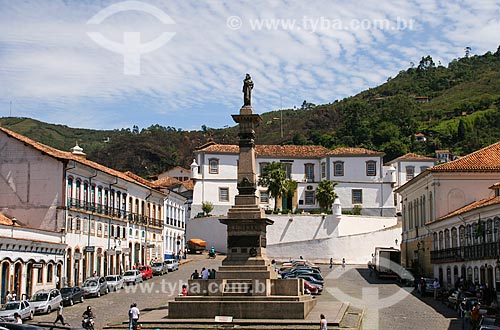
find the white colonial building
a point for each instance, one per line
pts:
(442, 208)
(406, 168)
(30, 259)
(111, 220)
(362, 179)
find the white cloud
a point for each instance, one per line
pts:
(53, 71)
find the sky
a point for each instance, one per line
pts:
(181, 63)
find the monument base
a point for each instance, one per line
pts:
(250, 299)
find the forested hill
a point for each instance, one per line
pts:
(456, 107)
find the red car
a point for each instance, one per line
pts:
(312, 288)
(146, 271)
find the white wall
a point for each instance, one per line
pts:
(311, 236)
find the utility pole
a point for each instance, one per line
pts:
(281, 116)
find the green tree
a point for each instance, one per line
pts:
(274, 178)
(325, 194)
(207, 207)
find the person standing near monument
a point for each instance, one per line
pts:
(331, 263)
(322, 323)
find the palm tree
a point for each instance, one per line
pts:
(325, 194)
(274, 178)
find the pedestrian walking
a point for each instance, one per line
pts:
(195, 275)
(134, 311)
(436, 287)
(184, 290)
(60, 316)
(465, 314)
(331, 263)
(322, 323)
(343, 263)
(9, 297)
(130, 317)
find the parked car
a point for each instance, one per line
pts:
(146, 271)
(95, 286)
(132, 276)
(22, 307)
(70, 295)
(15, 326)
(115, 282)
(172, 264)
(429, 286)
(312, 288)
(45, 301)
(406, 277)
(316, 277)
(159, 268)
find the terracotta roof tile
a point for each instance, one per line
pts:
(66, 155)
(495, 186)
(4, 220)
(270, 150)
(472, 206)
(290, 150)
(166, 181)
(413, 157)
(188, 184)
(353, 152)
(483, 160)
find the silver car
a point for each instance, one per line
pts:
(159, 268)
(45, 301)
(171, 264)
(132, 276)
(95, 286)
(22, 307)
(115, 282)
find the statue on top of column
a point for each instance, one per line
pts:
(247, 90)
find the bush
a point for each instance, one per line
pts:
(268, 211)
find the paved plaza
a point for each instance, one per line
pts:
(385, 305)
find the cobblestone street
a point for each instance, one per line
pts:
(387, 306)
(113, 307)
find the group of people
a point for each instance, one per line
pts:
(206, 274)
(11, 296)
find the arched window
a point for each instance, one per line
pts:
(78, 192)
(489, 230)
(50, 272)
(431, 207)
(496, 230)
(69, 191)
(441, 240)
(462, 236)
(78, 224)
(112, 228)
(446, 239)
(435, 241)
(454, 242)
(69, 224)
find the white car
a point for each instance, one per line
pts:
(45, 301)
(22, 307)
(132, 276)
(171, 264)
(115, 282)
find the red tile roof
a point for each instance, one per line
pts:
(270, 150)
(472, 206)
(413, 157)
(188, 184)
(4, 220)
(483, 160)
(354, 152)
(66, 155)
(166, 181)
(289, 150)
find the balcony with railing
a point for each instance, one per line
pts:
(100, 209)
(480, 251)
